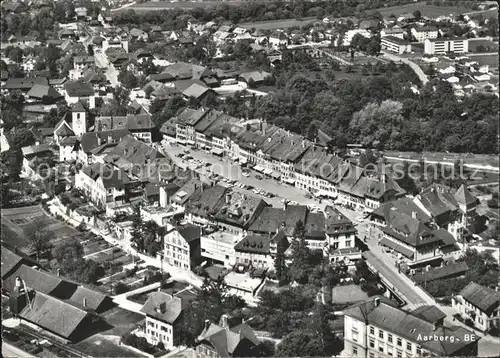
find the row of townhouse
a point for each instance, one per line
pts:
(245, 230)
(281, 155)
(428, 228)
(240, 229)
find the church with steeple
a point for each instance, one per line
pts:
(69, 131)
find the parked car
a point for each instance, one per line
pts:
(246, 174)
(258, 177)
(308, 196)
(208, 164)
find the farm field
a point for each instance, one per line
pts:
(16, 220)
(277, 24)
(490, 60)
(425, 10)
(165, 5)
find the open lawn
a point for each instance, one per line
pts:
(99, 346)
(426, 10)
(16, 220)
(473, 44)
(277, 24)
(490, 60)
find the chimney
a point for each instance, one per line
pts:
(84, 302)
(58, 272)
(19, 283)
(428, 268)
(376, 301)
(207, 324)
(99, 141)
(414, 214)
(223, 321)
(228, 199)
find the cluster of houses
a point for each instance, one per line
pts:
(70, 313)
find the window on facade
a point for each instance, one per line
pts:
(372, 342)
(389, 337)
(389, 351)
(381, 334)
(400, 354)
(354, 351)
(348, 243)
(419, 351)
(399, 342)
(354, 336)
(380, 347)
(372, 330)
(408, 346)
(372, 355)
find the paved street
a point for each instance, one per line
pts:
(111, 72)
(421, 75)
(385, 263)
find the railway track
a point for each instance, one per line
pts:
(36, 335)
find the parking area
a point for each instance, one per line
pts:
(229, 174)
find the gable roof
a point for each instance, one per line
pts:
(53, 315)
(195, 91)
(93, 299)
(39, 281)
(111, 176)
(40, 91)
(25, 83)
(484, 298)
(465, 197)
(92, 140)
(254, 243)
(63, 129)
(454, 269)
(132, 122)
(78, 89)
(10, 261)
(226, 340)
(429, 313)
(392, 319)
(189, 232)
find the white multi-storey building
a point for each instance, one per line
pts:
(425, 32)
(219, 247)
(376, 328)
(443, 46)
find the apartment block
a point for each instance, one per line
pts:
(443, 46)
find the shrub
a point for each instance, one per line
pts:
(120, 288)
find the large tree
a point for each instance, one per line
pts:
(38, 237)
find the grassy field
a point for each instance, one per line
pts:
(490, 60)
(425, 10)
(473, 44)
(277, 24)
(15, 221)
(166, 5)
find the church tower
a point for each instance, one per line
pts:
(78, 119)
